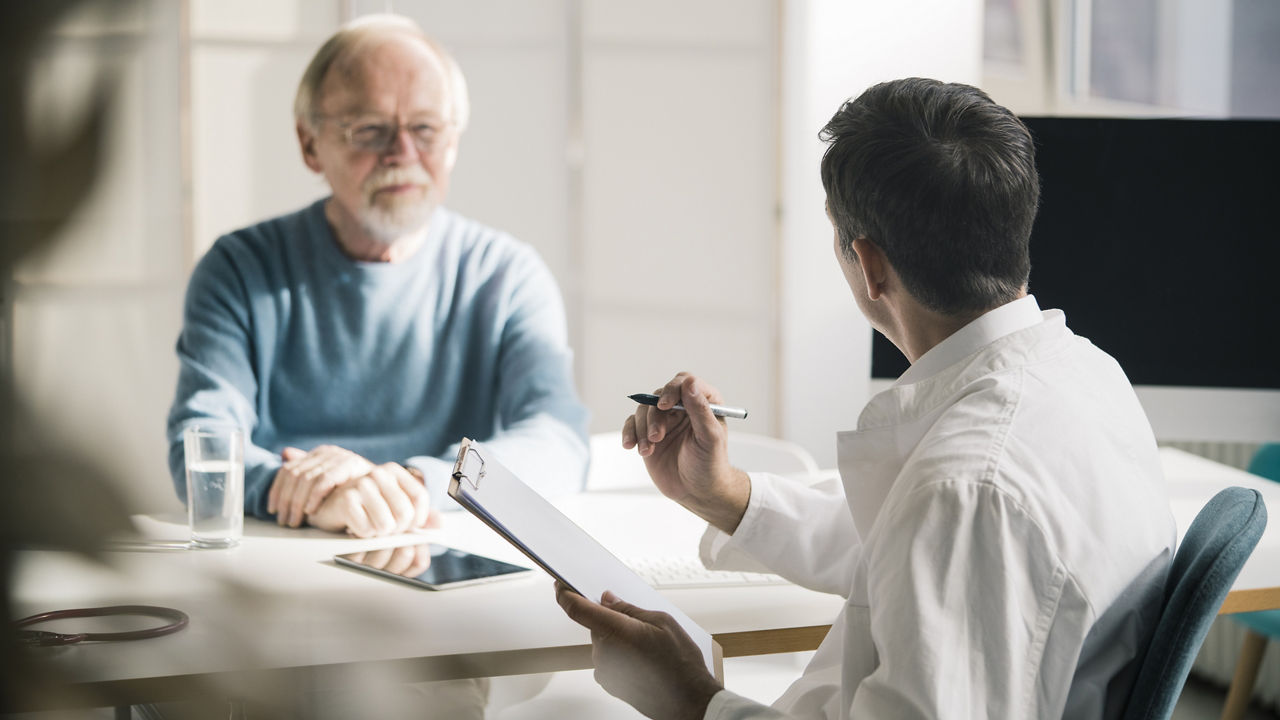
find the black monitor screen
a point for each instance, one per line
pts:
(1159, 240)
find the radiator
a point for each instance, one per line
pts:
(1217, 659)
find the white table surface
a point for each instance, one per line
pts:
(1193, 481)
(278, 602)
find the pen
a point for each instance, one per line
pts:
(718, 410)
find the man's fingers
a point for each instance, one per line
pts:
(320, 489)
(591, 615)
(433, 520)
(656, 424)
(407, 501)
(651, 617)
(629, 432)
(298, 501)
(697, 405)
(640, 424)
(273, 493)
(285, 481)
(669, 394)
(416, 489)
(308, 462)
(356, 517)
(384, 501)
(291, 453)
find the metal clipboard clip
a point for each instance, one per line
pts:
(469, 472)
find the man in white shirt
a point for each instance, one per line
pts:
(1002, 535)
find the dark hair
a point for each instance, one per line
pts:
(943, 180)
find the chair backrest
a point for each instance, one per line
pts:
(613, 468)
(1266, 462)
(1213, 550)
(762, 453)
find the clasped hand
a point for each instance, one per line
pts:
(334, 489)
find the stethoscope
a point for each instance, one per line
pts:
(45, 638)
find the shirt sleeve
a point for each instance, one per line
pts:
(803, 533)
(541, 425)
(216, 381)
(962, 592)
(726, 705)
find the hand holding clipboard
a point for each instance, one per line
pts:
(491, 492)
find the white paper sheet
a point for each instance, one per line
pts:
(527, 520)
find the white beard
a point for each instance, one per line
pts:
(392, 218)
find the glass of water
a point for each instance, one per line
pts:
(215, 485)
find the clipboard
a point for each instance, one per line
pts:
(533, 525)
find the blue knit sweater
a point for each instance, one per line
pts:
(286, 337)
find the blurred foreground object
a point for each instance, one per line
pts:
(60, 500)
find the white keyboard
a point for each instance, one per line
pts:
(688, 572)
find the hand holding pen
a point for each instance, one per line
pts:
(686, 453)
(717, 410)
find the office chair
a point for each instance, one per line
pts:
(1259, 626)
(1212, 553)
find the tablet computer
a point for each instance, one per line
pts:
(431, 566)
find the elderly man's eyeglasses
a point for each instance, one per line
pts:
(376, 134)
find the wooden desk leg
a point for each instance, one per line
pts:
(717, 659)
(1246, 673)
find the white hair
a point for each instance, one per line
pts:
(349, 39)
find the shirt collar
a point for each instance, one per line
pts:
(982, 331)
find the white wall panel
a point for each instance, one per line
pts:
(512, 171)
(98, 370)
(678, 181)
(456, 23)
(636, 350)
(110, 238)
(246, 165)
(679, 115)
(259, 20)
(705, 23)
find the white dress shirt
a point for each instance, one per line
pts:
(1004, 543)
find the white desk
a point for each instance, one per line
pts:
(1193, 480)
(276, 609)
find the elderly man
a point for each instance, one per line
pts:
(359, 339)
(1002, 535)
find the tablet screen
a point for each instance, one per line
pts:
(431, 565)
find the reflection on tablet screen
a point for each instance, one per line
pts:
(431, 565)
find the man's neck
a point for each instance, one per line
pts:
(356, 243)
(929, 329)
(921, 329)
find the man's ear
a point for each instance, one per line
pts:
(307, 142)
(874, 266)
(451, 152)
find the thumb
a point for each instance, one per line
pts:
(292, 453)
(702, 421)
(617, 604)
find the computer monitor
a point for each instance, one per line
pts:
(1160, 240)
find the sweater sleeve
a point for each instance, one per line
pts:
(216, 380)
(541, 427)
